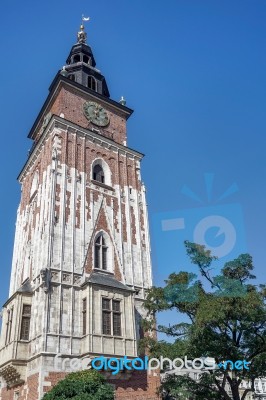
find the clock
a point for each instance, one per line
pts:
(95, 113)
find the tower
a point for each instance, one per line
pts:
(81, 262)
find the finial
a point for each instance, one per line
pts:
(82, 35)
(122, 101)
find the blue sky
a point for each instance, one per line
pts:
(193, 71)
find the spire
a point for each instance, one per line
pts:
(81, 66)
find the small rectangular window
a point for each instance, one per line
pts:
(10, 324)
(116, 305)
(16, 395)
(111, 317)
(7, 327)
(106, 322)
(25, 322)
(97, 256)
(84, 316)
(104, 258)
(106, 304)
(117, 324)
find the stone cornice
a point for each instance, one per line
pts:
(57, 122)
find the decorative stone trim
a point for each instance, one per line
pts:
(11, 376)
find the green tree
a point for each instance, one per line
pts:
(224, 319)
(82, 385)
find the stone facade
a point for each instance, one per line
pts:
(62, 213)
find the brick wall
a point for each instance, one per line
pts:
(26, 391)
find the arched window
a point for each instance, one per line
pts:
(100, 250)
(91, 82)
(86, 59)
(98, 174)
(72, 77)
(76, 58)
(100, 171)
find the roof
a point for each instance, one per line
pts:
(107, 280)
(26, 287)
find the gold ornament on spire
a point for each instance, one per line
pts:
(82, 35)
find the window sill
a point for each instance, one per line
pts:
(103, 185)
(104, 271)
(112, 336)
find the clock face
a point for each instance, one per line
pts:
(95, 113)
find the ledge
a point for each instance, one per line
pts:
(103, 185)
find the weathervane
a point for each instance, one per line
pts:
(84, 19)
(82, 35)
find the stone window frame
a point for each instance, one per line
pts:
(108, 263)
(25, 323)
(111, 317)
(106, 171)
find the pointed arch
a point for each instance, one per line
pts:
(103, 252)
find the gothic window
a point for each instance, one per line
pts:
(76, 58)
(84, 316)
(98, 174)
(25, 322)
(111, 317)
(101, 253)
(91, 82)
(72, 77)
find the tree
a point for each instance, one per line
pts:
(225, 320)
(82, 385)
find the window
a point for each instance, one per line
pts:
(76, 58)
(35, 183)
(101, 253)
(9, 325)
(98, 174)
(84, 316)
(116, 318)
(25, 323)
(111, 317)
(72, 77)
(16, 395)
(86, 59)
(91, 82)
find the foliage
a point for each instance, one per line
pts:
(82, 385)
(224, 317)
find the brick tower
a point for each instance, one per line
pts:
(81, 262)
